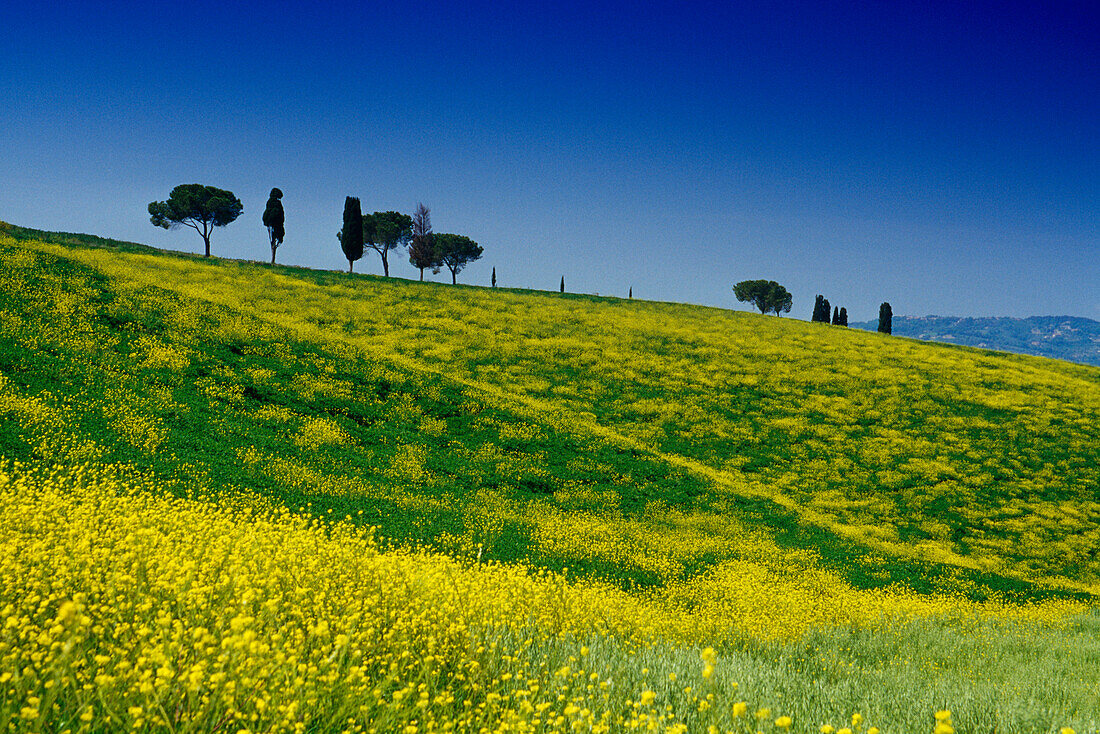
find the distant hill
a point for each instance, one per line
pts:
(1071, 338)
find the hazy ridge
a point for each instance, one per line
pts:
(1072, 338)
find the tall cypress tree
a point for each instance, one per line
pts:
(494, 276)
(821, 312)
(885, 318)
(274, 220)
(836, 316)
(561, 288)
(351, 236)
(630, 293)
(843, 316)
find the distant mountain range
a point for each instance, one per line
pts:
(1071, 338)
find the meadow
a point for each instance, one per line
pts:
(239, 497)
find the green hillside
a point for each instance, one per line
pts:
(888, 457)
(811, 501)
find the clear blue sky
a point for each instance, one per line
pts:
(943, 156)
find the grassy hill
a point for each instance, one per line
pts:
(784, 492)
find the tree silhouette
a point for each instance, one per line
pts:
(885, 318)
(780, 299)
(456, 251)
(196, 206)
(351, 235)
(766, 295)
(821, 310)
(422, 252)
(273, 220)
(385, 231)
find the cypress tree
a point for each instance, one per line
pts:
(274, 220)
(351, 236)
(820, 310)
(630, 293)
(836, 316)
(885, 318)
(562, 286)
(825, 310)
(494, 276)
(843, 316)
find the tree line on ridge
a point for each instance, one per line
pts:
(202, 208)
(205, 207)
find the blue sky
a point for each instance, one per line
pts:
(944, 157)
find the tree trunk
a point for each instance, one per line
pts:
(206, 241)
(349, 265)
(385, 265)
(454, 278)
(421, 275)
(273, 254)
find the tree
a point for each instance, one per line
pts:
(825, 310)
(273, 220)
(843, 316)
(196, 206)
(494, 281)
(766, 295)
(885, 318)
(561, 288)
(351, 235)
(781, 299)
(456, 251)
(836, 316)
(385, 231)
(821, 311)
(630, 292)
(422, 252)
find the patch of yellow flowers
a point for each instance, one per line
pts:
(123, 609)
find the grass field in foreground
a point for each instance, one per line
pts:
(593, 437)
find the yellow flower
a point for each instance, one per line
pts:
(943, 727)
(740, 709)
(783, 722)
(857, 719)
(647, 698)
(873, 730)
(943, 715)
(826, 729)
(1066, 730)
